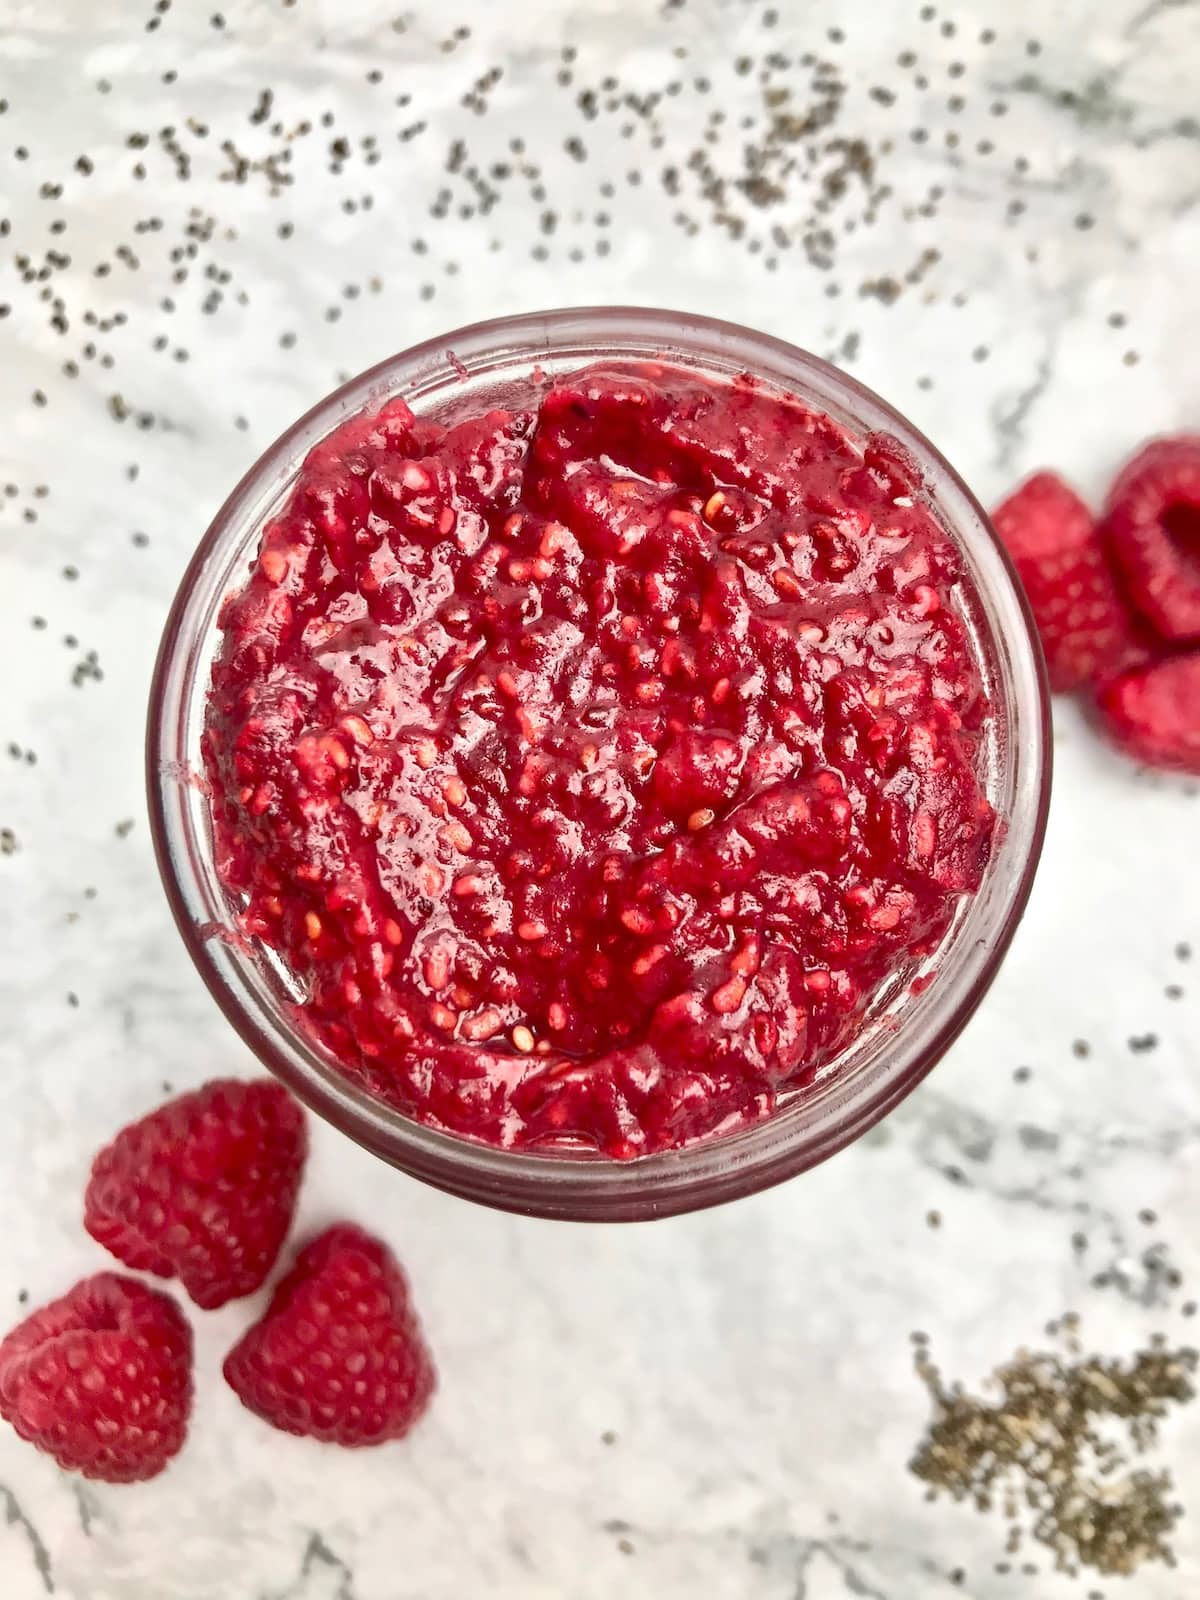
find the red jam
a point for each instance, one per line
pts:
(591, 767)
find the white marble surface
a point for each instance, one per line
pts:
(753, 1364)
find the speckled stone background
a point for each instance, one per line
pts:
(991, 214)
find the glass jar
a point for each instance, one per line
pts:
(904, 1032)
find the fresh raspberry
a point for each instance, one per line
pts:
(339, 1355)
(202, 1189)
(1154, 713)
(1152, 522)
(1052, 538)
(101, 1379)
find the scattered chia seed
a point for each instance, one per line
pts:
(87, 670)
(1048, 1451)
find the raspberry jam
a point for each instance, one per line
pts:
(591, 767)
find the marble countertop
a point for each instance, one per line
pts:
(997, 225)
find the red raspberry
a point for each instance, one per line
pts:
(101, 1379)
(339, 1355)
(1051, 536)
(1153, 713)
(1152, 522)
(202, 1189)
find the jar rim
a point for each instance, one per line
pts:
(587, 1185)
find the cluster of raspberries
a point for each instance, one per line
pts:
(1117, 598)
(203, 1190)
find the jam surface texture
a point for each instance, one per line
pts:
(590, 767)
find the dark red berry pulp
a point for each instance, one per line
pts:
(592, 766)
